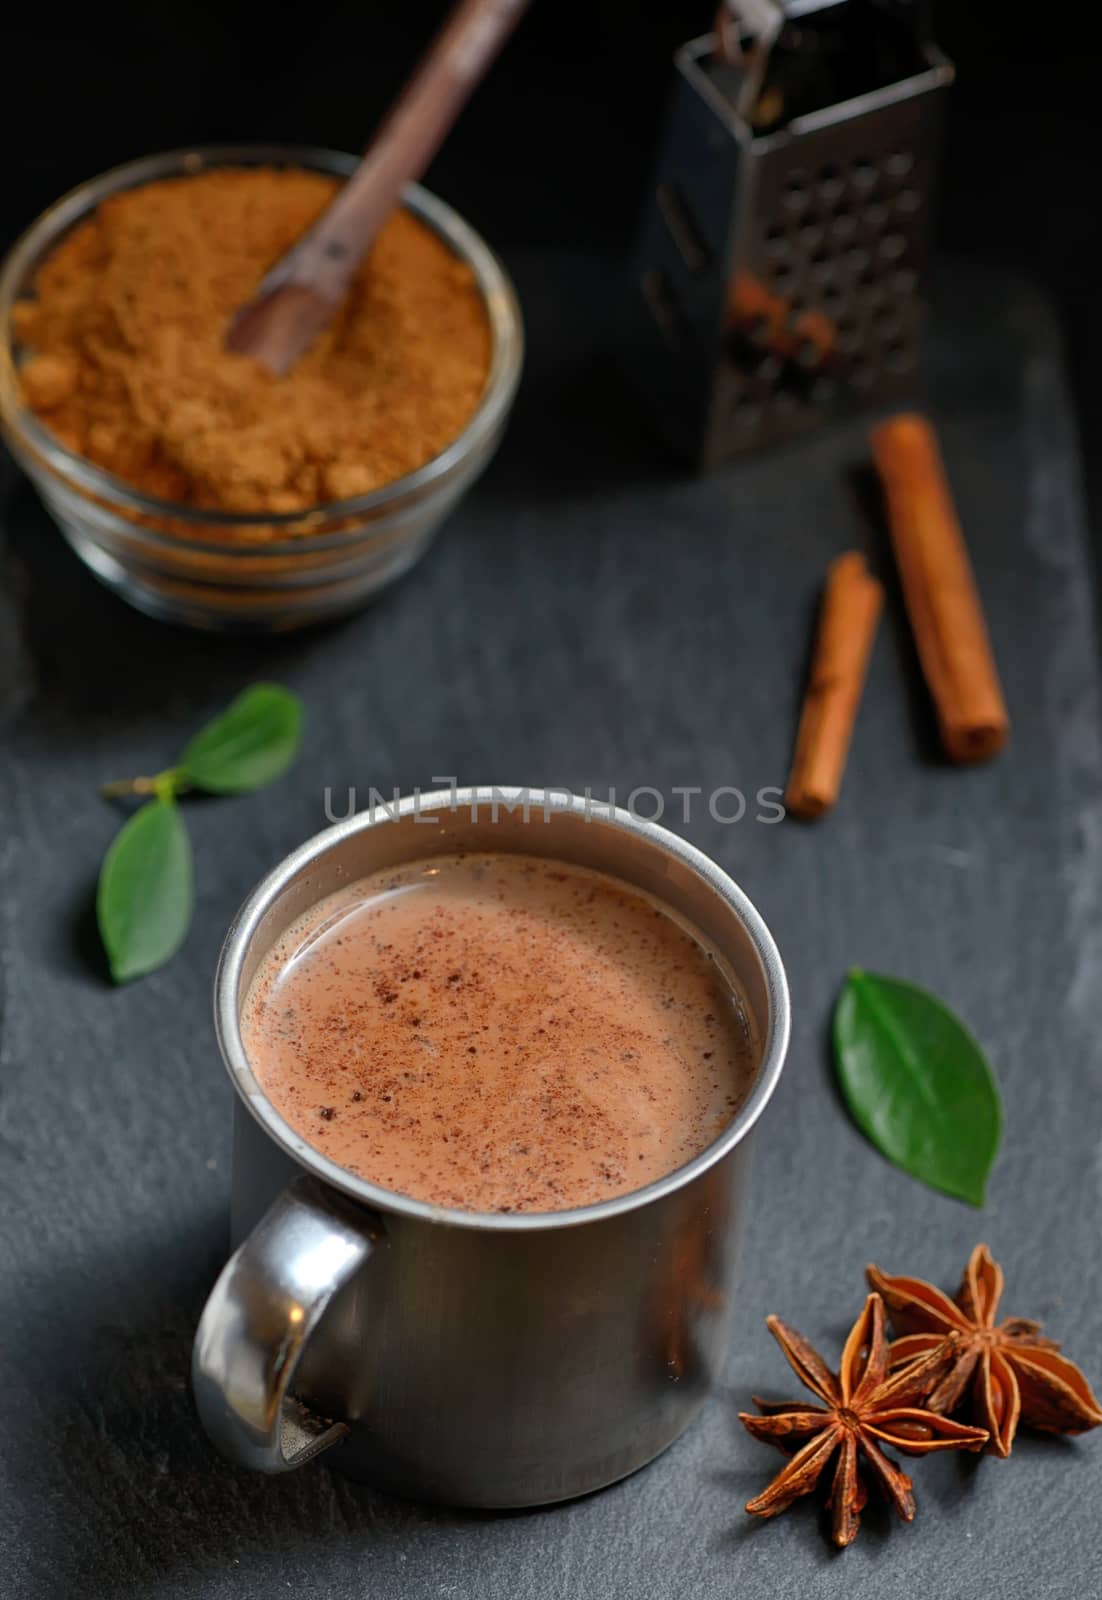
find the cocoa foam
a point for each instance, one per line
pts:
(498, 1033)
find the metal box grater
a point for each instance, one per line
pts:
(779, 275)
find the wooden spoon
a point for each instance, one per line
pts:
(303, 291)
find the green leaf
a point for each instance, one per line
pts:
(251, 743)
(143, 904)
(917, 1084)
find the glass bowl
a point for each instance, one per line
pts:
(261, 572)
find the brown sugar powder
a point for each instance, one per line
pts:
(127, 363)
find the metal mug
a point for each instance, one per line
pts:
(480, 1360)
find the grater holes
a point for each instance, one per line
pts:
(863, 175)
(830, 186)
(870, 289)
(899, 164)
(839, 263)
(683, 227)
(796, 191)
(849, 339)
(889, 328)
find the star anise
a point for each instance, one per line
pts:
(1002, 1375)
(863, 1407)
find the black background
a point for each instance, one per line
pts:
(556, 147)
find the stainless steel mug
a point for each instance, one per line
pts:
(480, 1360)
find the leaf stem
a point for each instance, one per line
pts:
(165, 785)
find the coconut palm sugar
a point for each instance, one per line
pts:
(126, 361)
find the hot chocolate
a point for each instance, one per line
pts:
(498, 1033)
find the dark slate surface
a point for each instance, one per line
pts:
(589, 618)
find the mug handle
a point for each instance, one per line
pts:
(271, 1295)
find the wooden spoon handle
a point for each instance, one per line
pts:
(327, 255)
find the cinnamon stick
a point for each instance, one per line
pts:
(939, 589)
(852, 601)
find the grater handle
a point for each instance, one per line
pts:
(745, 33)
